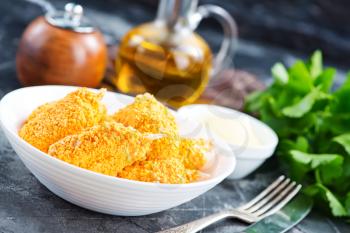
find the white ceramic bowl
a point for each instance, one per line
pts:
(91, 190)
(249, 157)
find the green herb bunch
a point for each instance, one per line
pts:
(312, 121)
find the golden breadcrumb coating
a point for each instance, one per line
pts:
(193, 152)
(106, 148)
(148, 115)
(169, 171)
(181, 166)
(163, 148)
(53, 121)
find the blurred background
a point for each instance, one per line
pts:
(269, 30)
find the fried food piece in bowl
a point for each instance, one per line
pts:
(148, 115)
(168, 171)
(53, 121)
(164, 148)
(106, 148)
(183, 167)
(194, 152)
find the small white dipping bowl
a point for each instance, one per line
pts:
(249, 155)
(91, 190)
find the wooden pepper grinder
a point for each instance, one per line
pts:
(62, 47)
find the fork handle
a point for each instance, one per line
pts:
(198, 224)
(202, 223)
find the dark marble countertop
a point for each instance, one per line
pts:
(27, 206)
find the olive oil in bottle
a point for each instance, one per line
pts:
(175, 68)
(165, 57)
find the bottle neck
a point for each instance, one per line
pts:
(175, 12)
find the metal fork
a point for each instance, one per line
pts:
(268, 202)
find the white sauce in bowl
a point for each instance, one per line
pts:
(238, 131)
(249, 140)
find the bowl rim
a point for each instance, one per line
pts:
(271, 145)
(72, 168)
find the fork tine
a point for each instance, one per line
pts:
(268, 198)
(263, 193)
(283, 202)
(274, 201)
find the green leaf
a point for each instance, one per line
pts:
(325, 79)
(300, 157)
(254, 101)
(342, 96)
(336, 206)
(298, 171)
(344, 140)
(331, 170)
(316, 66)
(300, 80)
(284, 98)
(303, 106)
(315, 160)
(273, 105)
(337, 123)
(347, 202)
(300, 144)
(346, 168)
(280, 73)
(312, 190)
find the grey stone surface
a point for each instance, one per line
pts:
(27, 206)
